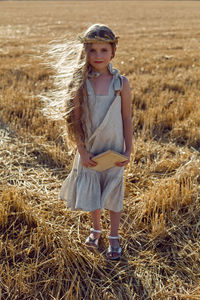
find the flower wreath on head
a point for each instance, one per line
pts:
(98, 39)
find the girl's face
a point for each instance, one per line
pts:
(100, 55)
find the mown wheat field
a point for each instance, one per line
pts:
(43, 255)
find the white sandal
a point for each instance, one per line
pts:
(117, 250)
(92, 242)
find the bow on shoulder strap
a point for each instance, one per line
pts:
(118, 79)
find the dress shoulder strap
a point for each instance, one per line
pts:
(118, 78)
(89, 87)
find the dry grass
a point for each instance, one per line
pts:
(42, 244)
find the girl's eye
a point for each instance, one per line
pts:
(104, 50)
(92, 50)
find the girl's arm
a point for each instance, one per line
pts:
(127, 120)
(84, 154)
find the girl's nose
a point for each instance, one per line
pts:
(98, 54)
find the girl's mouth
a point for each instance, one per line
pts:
(98, 62)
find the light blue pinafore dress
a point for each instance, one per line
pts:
(86, 189)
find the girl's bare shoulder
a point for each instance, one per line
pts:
(125, 79)
(126, 85)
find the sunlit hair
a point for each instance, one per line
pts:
(70, 62)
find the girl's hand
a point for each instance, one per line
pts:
(124, 163)
(86, 159)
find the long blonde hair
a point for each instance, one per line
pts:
(70, 63)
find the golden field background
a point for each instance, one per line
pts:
(42, 244)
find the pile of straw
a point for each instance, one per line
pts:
(43, 255)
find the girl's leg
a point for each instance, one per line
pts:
(114, 226)
(96, 215)
(114, 251)
(93, 239)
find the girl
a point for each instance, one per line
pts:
(98, 118)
